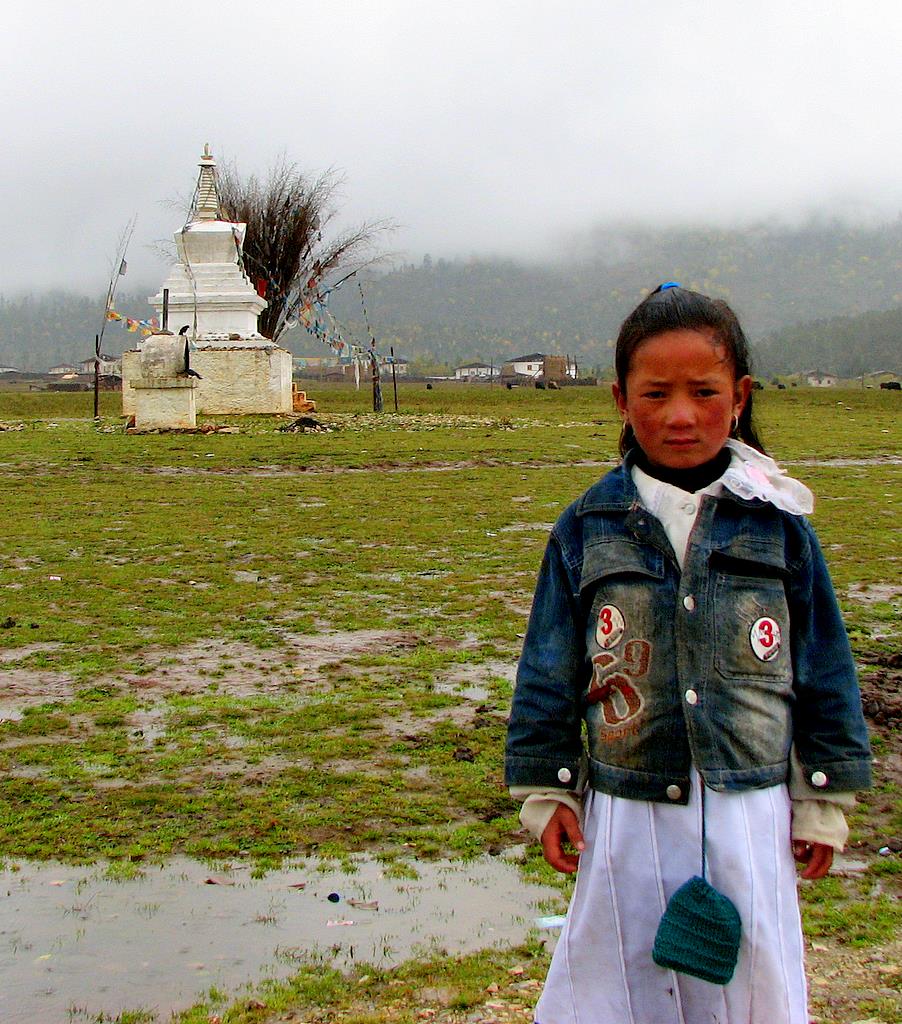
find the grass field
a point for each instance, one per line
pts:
(262, 644)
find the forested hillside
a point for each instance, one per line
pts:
(39, 331)
(491, 309)
(844, 345)
(449, 312)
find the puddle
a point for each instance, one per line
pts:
(242, 670)
(148, 724)
(848, 867)
(21, 688)
(471, 681)
(520, 604)
(460, 688)
(527, 528)
(18, 653)
(872, 593)
(72, 940)
(841, 463)
(431, 466)
(238, 669)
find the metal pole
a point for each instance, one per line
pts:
(165, 324)
(394, 379)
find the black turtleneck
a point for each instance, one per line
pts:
(692, 479)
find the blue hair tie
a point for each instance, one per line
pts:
(669, 284)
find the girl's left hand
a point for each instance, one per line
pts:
(817, 856)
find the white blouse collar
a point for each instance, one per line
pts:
(752, 474)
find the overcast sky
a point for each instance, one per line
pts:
(478, 126)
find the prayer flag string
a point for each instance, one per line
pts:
(131, 324)
(314, 314)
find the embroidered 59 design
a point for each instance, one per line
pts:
(614, 682)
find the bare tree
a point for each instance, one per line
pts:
(285, 252)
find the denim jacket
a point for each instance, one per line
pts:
(722, 666)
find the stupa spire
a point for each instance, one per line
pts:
(206, 202)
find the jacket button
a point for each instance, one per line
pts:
(691, 697)
(689, 508)
(674, 792)
(564, 775)
(689, 603)
(818, 779)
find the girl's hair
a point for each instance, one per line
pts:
(672, 308)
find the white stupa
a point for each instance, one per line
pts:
(213, 301)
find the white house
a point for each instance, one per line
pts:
(821, 380)
(109, 366)
(539, 365)
(315, 364)
(402, 367)
(343, 366)
(476, 371)
(530, 366)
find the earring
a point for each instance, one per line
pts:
(734, 424)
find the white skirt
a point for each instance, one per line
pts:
(637, 855)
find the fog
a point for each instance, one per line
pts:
(497, 128)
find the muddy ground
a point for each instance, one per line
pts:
(843, 979)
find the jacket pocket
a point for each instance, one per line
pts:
(751, 627)
(619, 557)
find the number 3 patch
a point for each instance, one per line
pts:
(765, 637)
(610, 627)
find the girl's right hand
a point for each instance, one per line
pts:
(563, 827)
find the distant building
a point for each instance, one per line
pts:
(476, 371)
(529, 366)
(817, 379)
(65, 368)
(314, 363)
(539, 367)
(109, 366)
(337, 368)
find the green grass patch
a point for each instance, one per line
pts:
(852, 912)
(157, 591)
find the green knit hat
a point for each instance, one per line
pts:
(699, 933)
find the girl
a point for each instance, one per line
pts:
(684, 613)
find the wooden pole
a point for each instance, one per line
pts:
(118, 271)
(374, 379)
(377, 386)
(394, 378)
(96, 376)
(165, 323)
